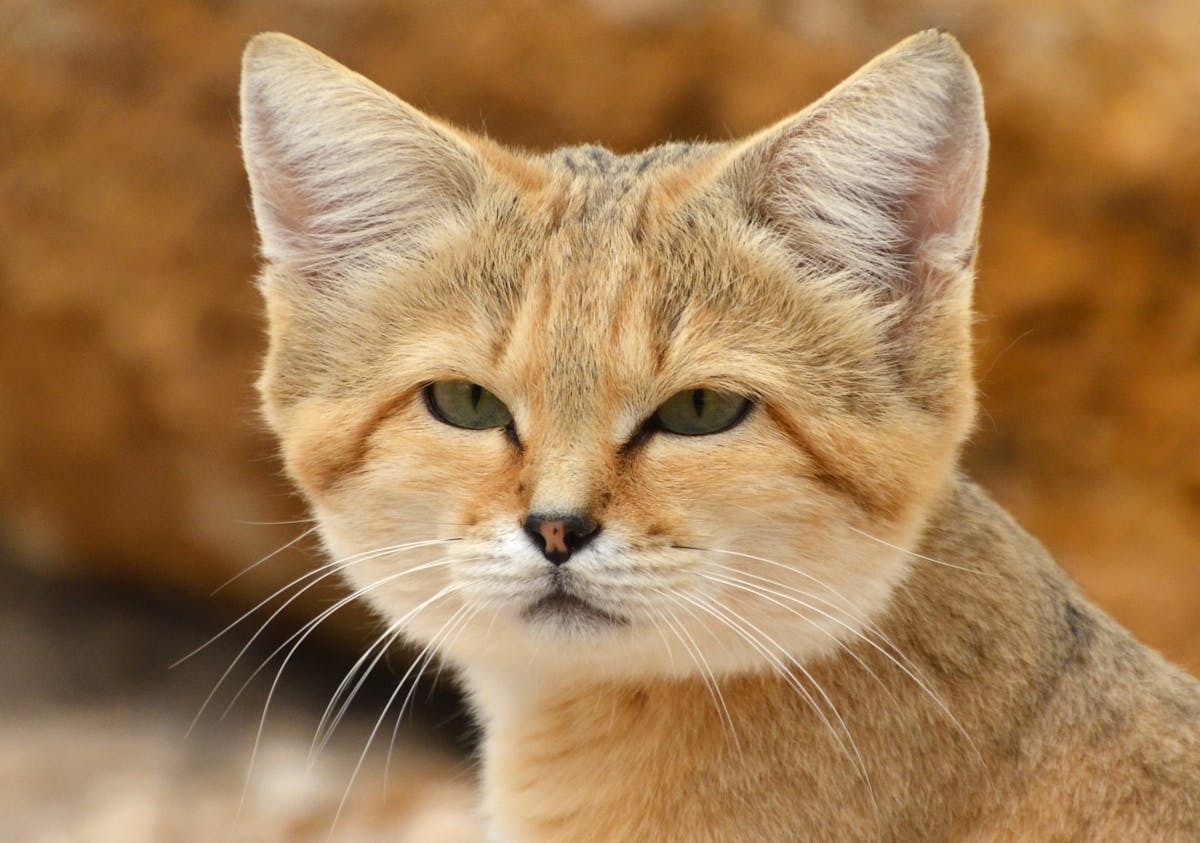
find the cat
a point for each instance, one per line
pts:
(659, 451)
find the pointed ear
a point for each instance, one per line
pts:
(882, 179)
(343, 174)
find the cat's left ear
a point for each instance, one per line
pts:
(881, 181)
(344, 176)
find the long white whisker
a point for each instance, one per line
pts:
(721, 614)
(341, 565)
(446, 644)
(861, 762)
(706, 672)
(930, 559)
(275, 523)
(266, 558)
(312, 625)
(736, 581)
(651, 616)
(249, 643)
(851, 610)
(459, 612)
(328, 566)
(229, 627)
(309, 627)
(849, 606)
(916, 677)
(348, 688)
(329, 569)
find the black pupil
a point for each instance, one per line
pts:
(698, 402)
(476, 395)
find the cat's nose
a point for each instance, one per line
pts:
(558, 536)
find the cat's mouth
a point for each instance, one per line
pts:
(562, 607)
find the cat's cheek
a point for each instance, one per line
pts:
(494, 492)
(411, 487)
(687, 489)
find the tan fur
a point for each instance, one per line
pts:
(827, 634)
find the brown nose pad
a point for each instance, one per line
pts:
(559, 536)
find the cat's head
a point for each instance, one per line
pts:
(661, 413)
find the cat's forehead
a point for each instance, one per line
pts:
(590, 185)
(612, 280)
(595, 161)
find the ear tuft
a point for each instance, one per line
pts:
(882, 179)
(342, 174)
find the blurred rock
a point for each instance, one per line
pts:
(130, 329)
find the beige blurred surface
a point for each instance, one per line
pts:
(130, 329)
(101, 741)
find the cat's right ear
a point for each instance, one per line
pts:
(344, 176)
(879, 184)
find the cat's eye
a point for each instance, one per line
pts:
(698, 412)
(464, 404)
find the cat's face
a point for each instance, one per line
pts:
(660, 414)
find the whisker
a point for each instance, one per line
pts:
(651, 616)
(851, 609)
(706, 672)
(301, 634)
(762, 592)
(912, 674)
(276, 523)
(868, 625)
(719, 611)
(916, 555)
(841, 645)
(266, 558)
(459, 612)
(312, 625)
(849, 604)
(329, 569)
(384, 642)
(447, 642)
(325, 567)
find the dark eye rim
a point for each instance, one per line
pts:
(510, 429)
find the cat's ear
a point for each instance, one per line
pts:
(881, 181)
(343, 174)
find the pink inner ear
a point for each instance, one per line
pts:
(284, 215)
(942, 216)
(282, 210)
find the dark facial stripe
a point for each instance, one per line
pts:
(827, 473)
(356, 454)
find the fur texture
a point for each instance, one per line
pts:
(805, 627)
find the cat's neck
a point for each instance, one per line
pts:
(951, 676)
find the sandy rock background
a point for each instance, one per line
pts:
(130, 451)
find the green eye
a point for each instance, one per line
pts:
(697, 412)
(468, 405)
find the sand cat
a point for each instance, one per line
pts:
(659, 451)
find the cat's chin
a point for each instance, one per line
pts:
(563, 611)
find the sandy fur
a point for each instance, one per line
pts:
(1066, 728)
(828, 634)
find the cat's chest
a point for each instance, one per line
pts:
(621, 765)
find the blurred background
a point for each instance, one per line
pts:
(135, 477)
